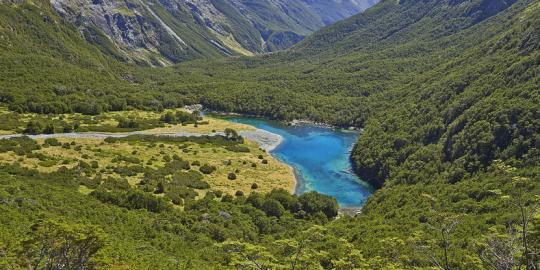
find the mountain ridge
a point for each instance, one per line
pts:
(141, 30)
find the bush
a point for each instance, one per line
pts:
(207, 169)
(237, 148)
(218, 193)
(94, 164)
(231, 176)
(52, 142)
(254, 186)
(273, 208)
(125, 123)
(313, 202)
(132, 199)
(239, 193)
(33, 127)
(227, 198)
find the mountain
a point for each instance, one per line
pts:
(170, 31)
(445, 92)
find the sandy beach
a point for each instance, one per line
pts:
(267, 140)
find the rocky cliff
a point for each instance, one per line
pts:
(163, 32)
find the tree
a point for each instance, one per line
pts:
(273, 208)
(248, 256)
(49, 129)
(160, 189)
(33, 127)
(57, 245)
(313, 202)
(500, 251)
(526, 206)
(169, 117)
(232, 134)
(300, 254)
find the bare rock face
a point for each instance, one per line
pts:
(125, 24)
(162, 32)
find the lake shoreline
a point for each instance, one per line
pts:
(319, 157)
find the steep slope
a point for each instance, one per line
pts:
(170, 31)
(446, 92)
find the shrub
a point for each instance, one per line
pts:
(168, 118)
(237, 148)
(94, 164)
(33, 127)
(125, 123)
(207, 169)
(160, 188)
(218, 193)
(132, 199)
(273, 208)
(254, 186)
(313, 202)
(239, 193)
(264, 161)
(227, 198)
(231, 176)
(52, 142)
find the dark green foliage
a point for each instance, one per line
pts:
(132, 199)
(33, 128)
(207, 169)
(128, 123)
(192, 179)
(52, 142)
(180, 117)
(231, 176)
(238, 148)
(273, 208)
(313, 203)
(19, 145)
(53, 243)
(442, 89)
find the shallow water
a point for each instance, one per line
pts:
(320, 157)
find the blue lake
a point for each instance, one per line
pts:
(320, 157)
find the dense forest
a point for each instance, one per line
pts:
(446, 92)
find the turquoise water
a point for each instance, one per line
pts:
(320, 157)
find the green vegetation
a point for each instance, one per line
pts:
(446, 93)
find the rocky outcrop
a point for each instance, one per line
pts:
(162, 32)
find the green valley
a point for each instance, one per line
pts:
(446, 94)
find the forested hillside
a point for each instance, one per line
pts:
(446, 92)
